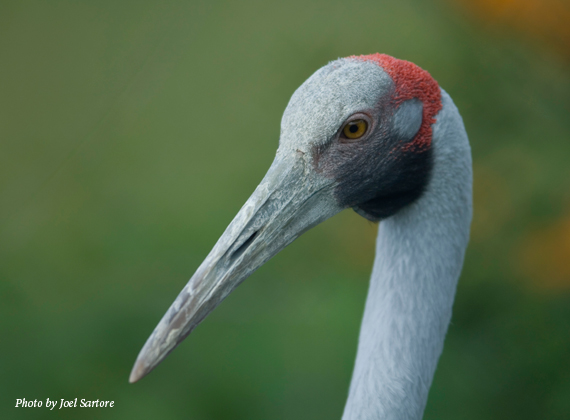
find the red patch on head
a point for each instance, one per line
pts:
(411, 82)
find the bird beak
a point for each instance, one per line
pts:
(291, 199)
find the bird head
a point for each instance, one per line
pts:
(357, 134)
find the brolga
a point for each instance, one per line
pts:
(378, 135)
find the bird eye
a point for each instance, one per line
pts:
(355, 129)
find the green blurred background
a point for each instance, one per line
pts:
(131, 132)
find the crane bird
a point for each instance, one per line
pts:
(379, 135)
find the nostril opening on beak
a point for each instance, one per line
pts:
(238, 252)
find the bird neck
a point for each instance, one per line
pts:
(419, 254)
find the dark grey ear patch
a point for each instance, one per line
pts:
(380, 175)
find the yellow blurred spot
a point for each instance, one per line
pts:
(544, 256)
(546, 19)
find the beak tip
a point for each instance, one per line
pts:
(139, 371)
(160, 343)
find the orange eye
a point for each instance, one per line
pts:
(355, 129)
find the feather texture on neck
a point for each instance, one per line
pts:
(419, 255)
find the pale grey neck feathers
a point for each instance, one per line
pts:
(419, 255)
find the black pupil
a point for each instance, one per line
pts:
(353, 128)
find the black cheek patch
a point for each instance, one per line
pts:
(413, 172)
(380, 175)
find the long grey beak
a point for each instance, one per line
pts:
(290, 200)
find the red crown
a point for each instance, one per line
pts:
(411, 82)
